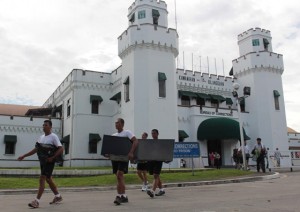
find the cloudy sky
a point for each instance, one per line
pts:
(41, 41)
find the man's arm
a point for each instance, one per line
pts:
(28, 154)
(58, 152)
(133, 148)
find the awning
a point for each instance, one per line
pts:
(182, 134)
(276, 93)
(95, 98)
(65, 139)
(161, 76)
(229, 101)
(265, 40)
(10, 139)
(217, 97)
(155, 13)
(116, 97)
(203, 96)
(231, 72)
(132, 18)
(126, 82)
(94, 137)
(188, 93)
(220, 128)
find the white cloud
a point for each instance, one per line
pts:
(43, 40)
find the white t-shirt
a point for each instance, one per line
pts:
(126, 134)
(50, 139)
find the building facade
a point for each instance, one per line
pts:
(148, 91)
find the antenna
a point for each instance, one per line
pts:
(216, 66)
(175, 15)
(223, 67)
(192, 62)
(207, 65)
(200, 63)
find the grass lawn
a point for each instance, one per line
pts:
(109, 180)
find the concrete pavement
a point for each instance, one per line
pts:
(272, 192)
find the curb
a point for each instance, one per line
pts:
(133, 187)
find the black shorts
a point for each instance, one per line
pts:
(143, 166)
(154, 167)
(120, 166)
(46, 168)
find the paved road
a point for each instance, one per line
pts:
(281, 194)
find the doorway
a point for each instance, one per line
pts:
(214, 146)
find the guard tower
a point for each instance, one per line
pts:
(148, 49)
(260, 68)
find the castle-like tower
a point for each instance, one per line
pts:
(260, 68)
(148, 49)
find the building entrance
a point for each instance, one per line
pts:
(214, 146)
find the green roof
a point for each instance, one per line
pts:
(10, 138)
(94, 137)
(219, 128)
(116, 97)
(188, 93)
(182, 134)
(96, 98)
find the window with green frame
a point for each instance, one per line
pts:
(255, 42)
(141, 14)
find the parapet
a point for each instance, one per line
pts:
(254, 31)
(159, 3)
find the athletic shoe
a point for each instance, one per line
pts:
(118, 200)
(56, 200)
(160, 193)
(124, 199)
(150, 193)
(34, 204)
(144, 187)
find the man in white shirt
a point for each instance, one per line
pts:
(260, 153)
(48, 148)
(120, 165)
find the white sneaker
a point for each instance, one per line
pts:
(144, 187)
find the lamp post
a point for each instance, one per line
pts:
(236, 86)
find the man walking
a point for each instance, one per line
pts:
(48, 147)
(142, 169)
(260, 152)
(154, 168)
(119, 164)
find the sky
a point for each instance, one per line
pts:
(41, 41)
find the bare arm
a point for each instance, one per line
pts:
(58, 152)
(133, 148)
(28, 154)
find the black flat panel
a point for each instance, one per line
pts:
(155, 150)
(115, 145)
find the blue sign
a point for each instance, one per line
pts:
(186, 150)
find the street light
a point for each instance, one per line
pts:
(236, 87)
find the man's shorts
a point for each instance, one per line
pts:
(46, 168)
(154, 167)
(120, 166)
(143, 166)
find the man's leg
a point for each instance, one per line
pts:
(35, 203)
(41, 187)
(57, 198)
(52, 185)
(120, 182)
(257, 164)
